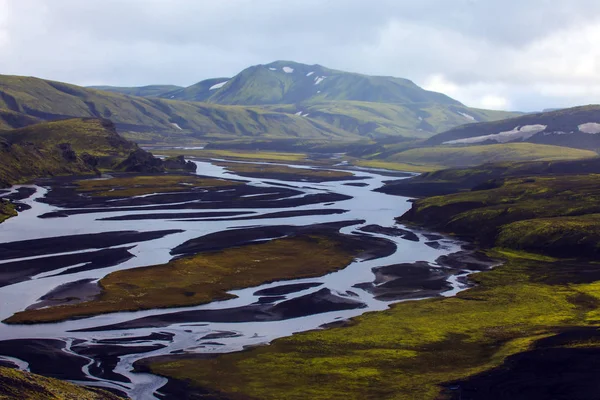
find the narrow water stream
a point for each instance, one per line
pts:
(199, 336)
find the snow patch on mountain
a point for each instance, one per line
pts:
(310, 73)
(298, 113)
(288, 70)
(524, 132)
(176, 126)
(467, 116)
(319, 79)
(590, 127)
(273, 69)
(218, 85)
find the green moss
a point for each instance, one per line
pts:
(241, 155)
(15, 384)
(141, 185)
(266, 170)
(409, 350)
(553, 214)
(397, 166)
(205, 277)
(476, 155)
(7, 210)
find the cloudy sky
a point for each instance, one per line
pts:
(502, 54)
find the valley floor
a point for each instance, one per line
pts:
(527, 329)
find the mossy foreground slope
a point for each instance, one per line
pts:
(412, 350)
(15, 384)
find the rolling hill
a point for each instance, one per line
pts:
(76, 146)
(362, 105)
(27, 100)
(288, 82)
(577, 127)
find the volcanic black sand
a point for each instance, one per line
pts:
(408, 280)
(391, 231)
(162, 216)
(18, 271)
(217, 201)
(286, 289)
(314, 303)
(68, 293)
(46, 357)
(106, 358)
(281, 214)
(467, 260)
(239, 237)
(38, 247)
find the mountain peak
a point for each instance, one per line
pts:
(290, 82)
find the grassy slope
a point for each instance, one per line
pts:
(565, 120)
(15, 384)
(7, 210)
(426, 159)
(453, 180)
(205, 277)
(54, 100)
(34, 151)
(476, 155)
(556, 215)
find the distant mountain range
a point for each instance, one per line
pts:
(283, 99)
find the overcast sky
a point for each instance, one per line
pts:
(501, 54)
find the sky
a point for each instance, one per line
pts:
(521, 55)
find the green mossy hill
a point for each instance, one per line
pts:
(7, 210)
(454, 180)
(206, 277)
(413, 350)
(571, 127)
(15, 384)
(153, 119)
(288, 82)
(78, 146)
(452, 157)
(556, 215)
(97, 137)
(20, 163)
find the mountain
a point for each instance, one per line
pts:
(71, 147)
(26, 100)
(143, 91)
(288, 82)
(152, 119)
(577, 127)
